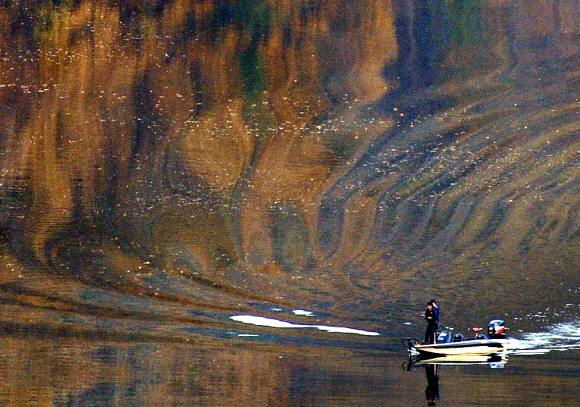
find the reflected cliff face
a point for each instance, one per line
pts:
(76, 373)
(174, 161)
(73, 373)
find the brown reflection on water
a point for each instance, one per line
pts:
(78, 373)
(164, 157)
(82, 374)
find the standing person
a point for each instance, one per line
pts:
(435, 306)
(437, 315)
(432, 318)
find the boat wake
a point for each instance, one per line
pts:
(560, 337)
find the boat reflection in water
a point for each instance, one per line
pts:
(494, 361)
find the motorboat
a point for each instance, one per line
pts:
(494, 342)
(470, 346)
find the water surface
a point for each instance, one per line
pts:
(168, 165)
(43, 371)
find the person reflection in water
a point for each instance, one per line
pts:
(432, 318)
(432, 389)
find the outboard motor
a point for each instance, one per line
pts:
(444, 337)
(496, 329)
(458, 338)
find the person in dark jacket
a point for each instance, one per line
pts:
(432, 318)
(436, 306)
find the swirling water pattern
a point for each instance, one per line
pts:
(166, 165)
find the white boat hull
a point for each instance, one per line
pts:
(468, 347)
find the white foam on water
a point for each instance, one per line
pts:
(562, 336)
(343, 330)
(303, 313)
(275, 323)
(263, 321)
